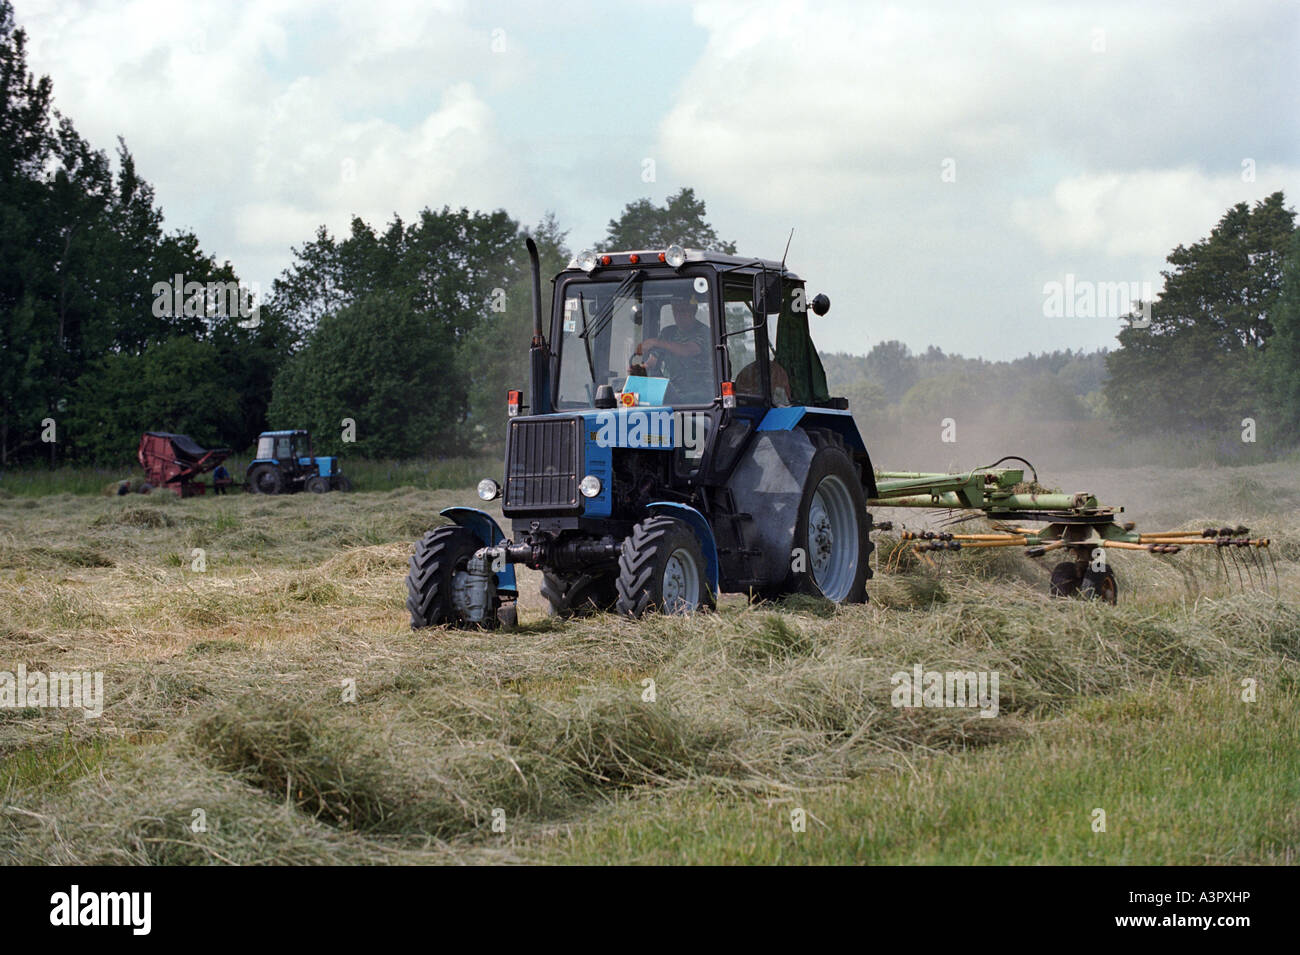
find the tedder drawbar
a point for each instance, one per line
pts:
(678, 440)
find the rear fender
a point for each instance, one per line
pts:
(841, 422)
(484, 527)
(703, 532)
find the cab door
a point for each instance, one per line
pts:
(742, 358)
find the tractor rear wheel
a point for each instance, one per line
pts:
(266, 479)
(317, 484)
(440, 556)
(833, 528)
(662, 568)
(580, 595)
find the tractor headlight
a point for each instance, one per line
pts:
(587, 260)
(675, 256)
(589, 486)
(488, 489)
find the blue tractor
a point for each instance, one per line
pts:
(285, 463)
(678, 441)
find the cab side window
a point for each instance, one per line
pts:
(744, 342)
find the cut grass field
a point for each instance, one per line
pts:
(226, 693)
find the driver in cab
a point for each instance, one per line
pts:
(684, 348)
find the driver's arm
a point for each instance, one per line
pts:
(673, 348)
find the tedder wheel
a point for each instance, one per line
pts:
(1065, 579)
(833, 526)
(342, 483)
(580, 595)
(266, 479)
(662, 568)
(1099, 585)
(317, 484)
(439, 559)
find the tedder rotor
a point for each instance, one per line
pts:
(1077, 525)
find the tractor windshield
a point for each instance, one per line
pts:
(657, 328)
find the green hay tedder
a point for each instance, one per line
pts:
(1078, 525)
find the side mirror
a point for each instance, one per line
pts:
(821, 304)
(767, 295)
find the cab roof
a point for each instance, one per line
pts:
(650, 258)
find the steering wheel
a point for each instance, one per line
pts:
(639, 364)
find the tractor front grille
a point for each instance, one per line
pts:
(543, 456)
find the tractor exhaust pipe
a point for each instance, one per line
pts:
(539, 356)
(535, 267)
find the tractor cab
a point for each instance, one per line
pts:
(285, 463)
(289, 449)
(710, 327)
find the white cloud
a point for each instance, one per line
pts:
(817, 102)
(1133, 213)
(259, 121)
(330, 170)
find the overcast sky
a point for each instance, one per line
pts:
(939, 163)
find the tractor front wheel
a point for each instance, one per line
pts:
(439, 560)
(341, 483)
(662, 568)
(317, 484)
(266, 479)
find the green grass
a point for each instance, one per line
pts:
(427, 474)
(51, 768)
(66, 479)
(1185, 775)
